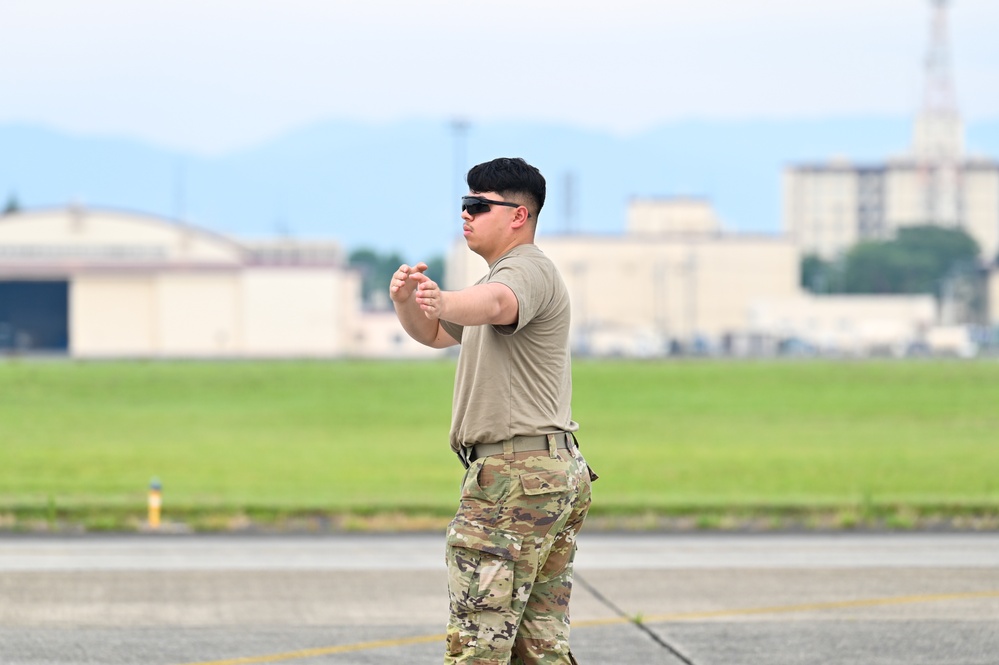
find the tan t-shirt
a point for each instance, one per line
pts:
(517, 379)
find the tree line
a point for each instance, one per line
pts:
(12, 205)
(919, 259)
(376, 270)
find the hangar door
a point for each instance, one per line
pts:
(34, 316)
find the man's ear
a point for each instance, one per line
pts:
(520, 217)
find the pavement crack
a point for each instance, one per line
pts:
(633, 620)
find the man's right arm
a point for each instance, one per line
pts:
(414, 321)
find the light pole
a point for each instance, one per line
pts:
(459, 129)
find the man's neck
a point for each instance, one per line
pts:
(509, 248)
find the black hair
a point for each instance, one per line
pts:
(510, 176)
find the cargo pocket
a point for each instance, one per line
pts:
(480, 565)
(554, 509)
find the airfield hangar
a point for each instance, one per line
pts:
(92, 283)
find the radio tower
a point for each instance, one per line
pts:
(939, 134)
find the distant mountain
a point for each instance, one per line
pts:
(395, 186)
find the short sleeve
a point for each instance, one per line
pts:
(452, 329)
(531, 285)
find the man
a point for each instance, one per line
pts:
(527, 487)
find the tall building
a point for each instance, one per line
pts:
(830, 206)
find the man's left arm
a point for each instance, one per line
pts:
(491, 303)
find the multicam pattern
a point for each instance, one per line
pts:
(509, 555)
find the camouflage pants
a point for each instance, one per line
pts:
(510, 551)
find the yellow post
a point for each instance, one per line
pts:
(155, 503)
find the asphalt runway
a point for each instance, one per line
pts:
(711, 599)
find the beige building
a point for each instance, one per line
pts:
(672, 215)
(676, 281)
(672, 278)
(100, 283)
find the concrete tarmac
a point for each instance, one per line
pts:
(718, 599)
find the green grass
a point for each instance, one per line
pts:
(368, 437)
(794, 432)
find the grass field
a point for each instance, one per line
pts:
(371, 437)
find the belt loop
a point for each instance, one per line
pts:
(570, 443)
(552, 447)
(508, 450)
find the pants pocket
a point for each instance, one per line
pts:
(486, 480)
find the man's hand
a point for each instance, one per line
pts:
(419, 315)
(404, 282)
(414, 293)
(428, 296)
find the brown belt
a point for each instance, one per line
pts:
(521, 444)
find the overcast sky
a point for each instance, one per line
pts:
(215, 75)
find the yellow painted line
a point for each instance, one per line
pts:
(326, 651)
(660, 618)
(806, 607)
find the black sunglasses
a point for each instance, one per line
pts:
(476, 205)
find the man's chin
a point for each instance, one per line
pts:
(472, 245)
